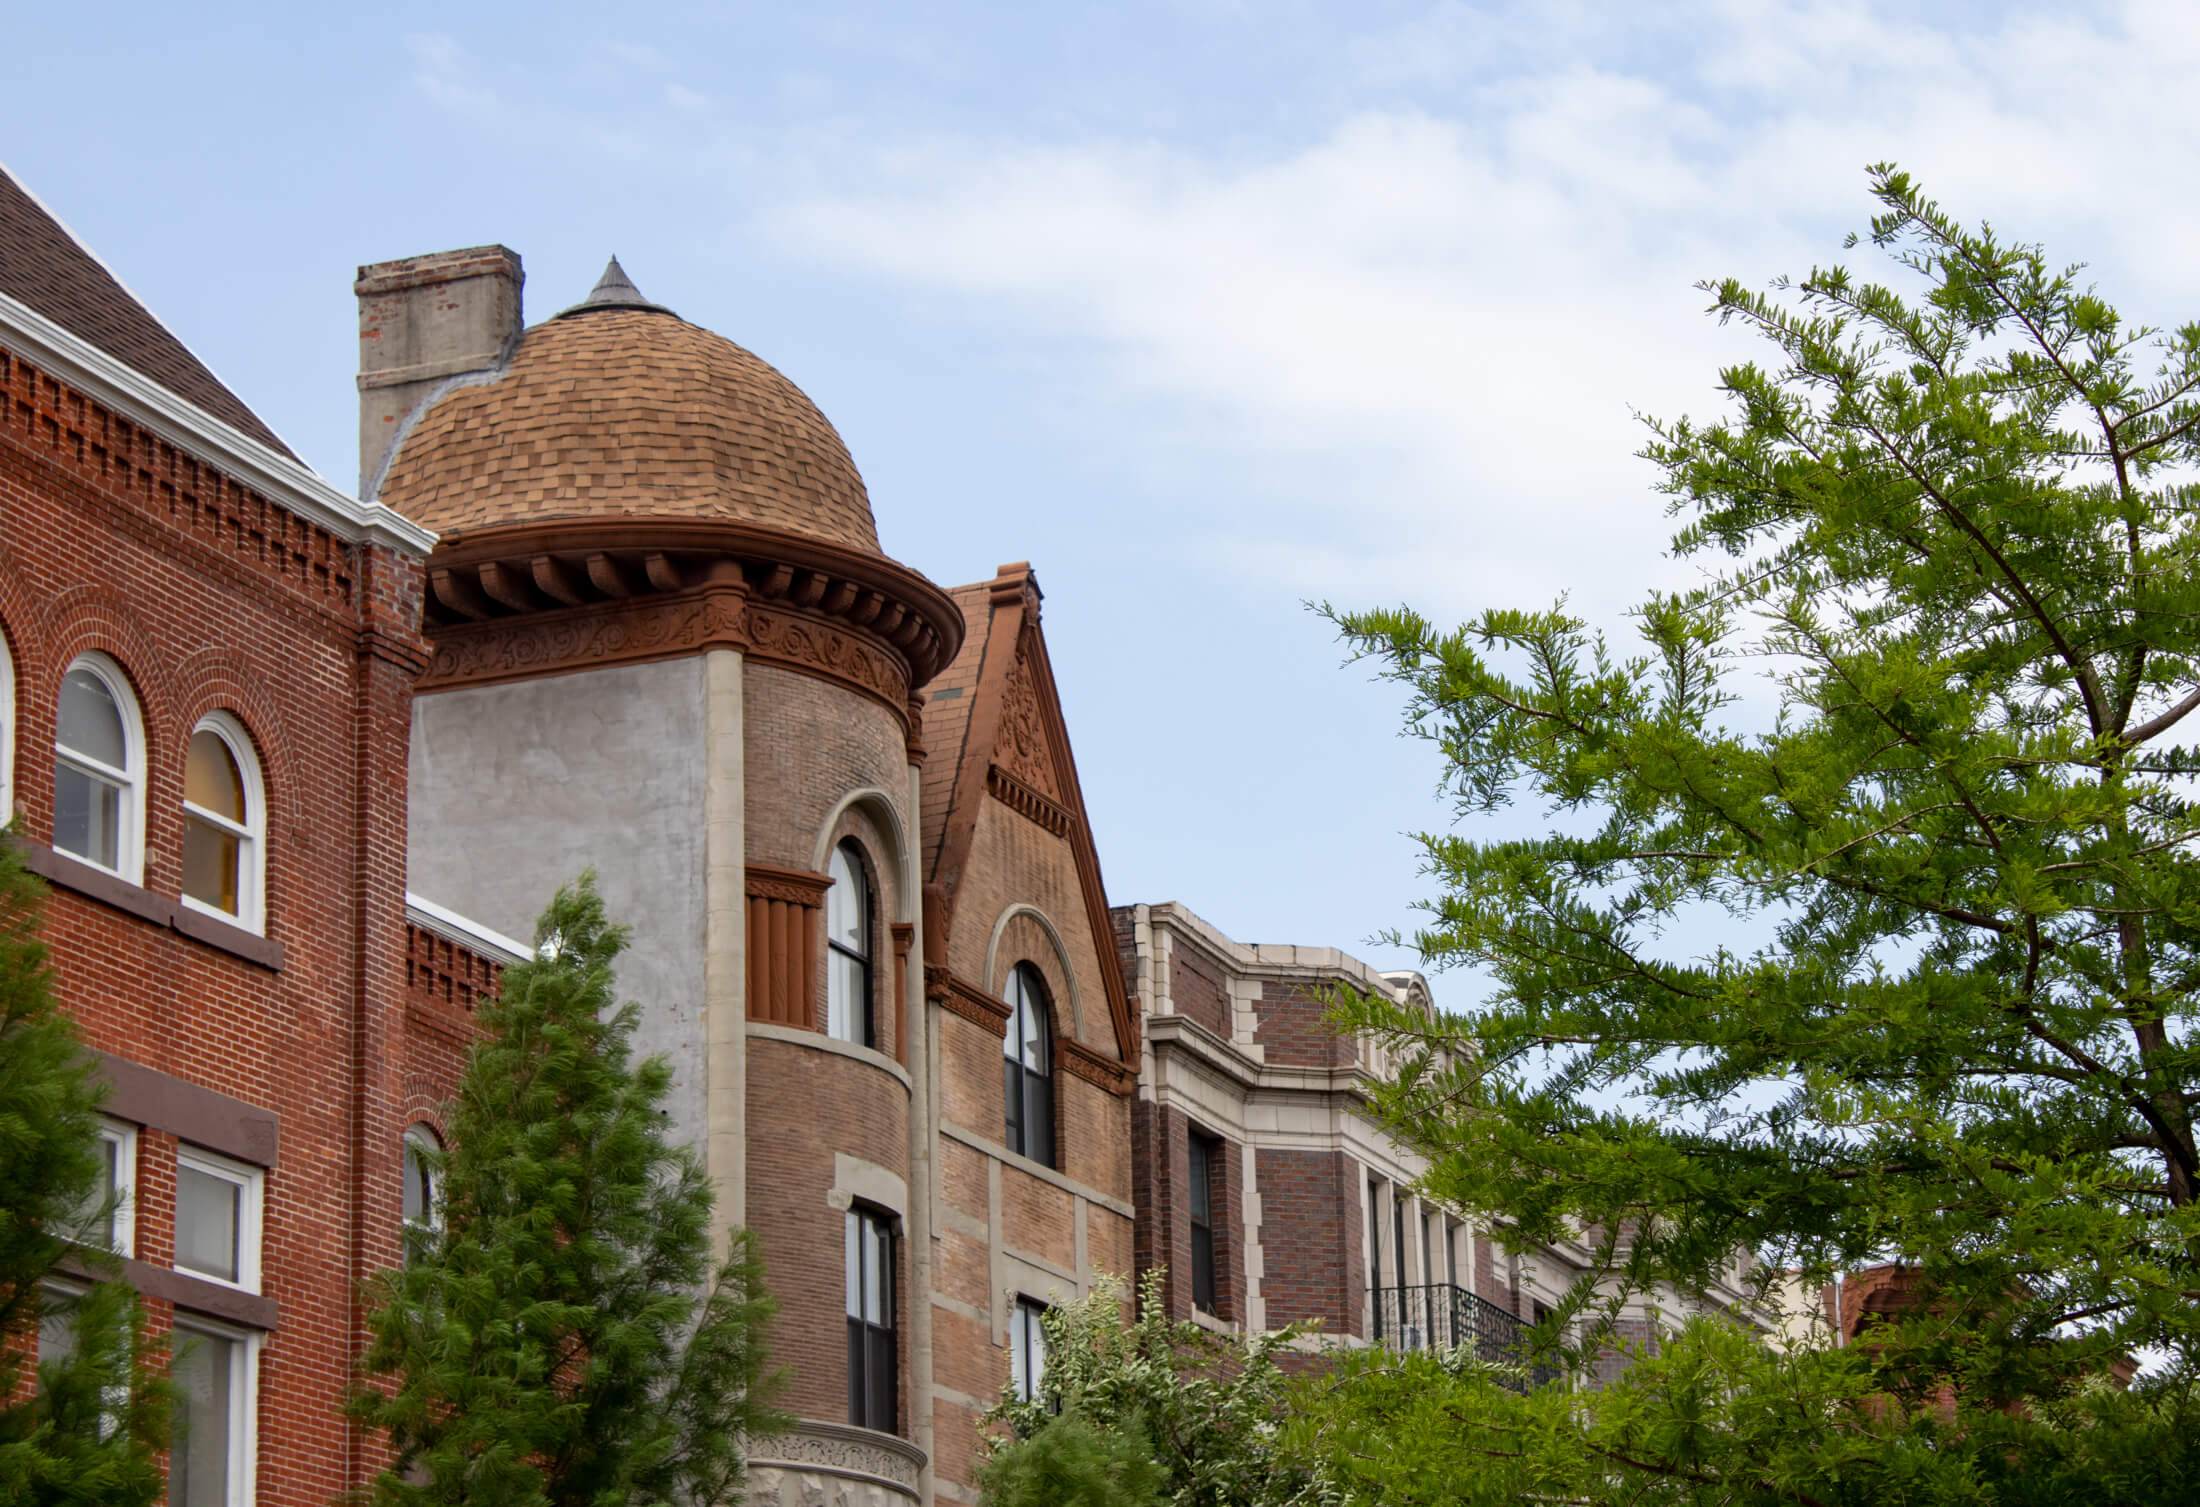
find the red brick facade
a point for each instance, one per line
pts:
(287, 1051)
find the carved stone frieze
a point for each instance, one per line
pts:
(833, 1465)
(1027, 802)
(581, 638)
(1021, 747)
(817, 646)
(956, 997)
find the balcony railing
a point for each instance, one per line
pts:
(1442, 1318)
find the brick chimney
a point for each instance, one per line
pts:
(424, 320)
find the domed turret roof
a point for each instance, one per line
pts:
(619, 408)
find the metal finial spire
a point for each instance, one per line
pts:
(614, 290)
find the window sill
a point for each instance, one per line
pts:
(135, 900)
(182, 1290)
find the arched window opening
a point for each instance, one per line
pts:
(99, 769)
(7, 730)
(848, 948)
(224, 818)
(423, 1192)
(1027, 1068)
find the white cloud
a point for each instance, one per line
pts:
(1463, 309)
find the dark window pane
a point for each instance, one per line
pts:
(1012, 1094)
(1038, 1117)
(207, 1214)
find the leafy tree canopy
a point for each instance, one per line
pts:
(1949, 523)
(554, 1343)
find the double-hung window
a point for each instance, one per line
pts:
(223, 822)
(109, 1217)
(872, 1363)
(1027, 1349)
(848, 949)
(218, 1218)
(1027, 1068)
(1205, 1154)
(99, 769)
(423, 1192)
(210, 1455)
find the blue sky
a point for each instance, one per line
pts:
(1203, 308)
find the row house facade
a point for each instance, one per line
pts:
(1269, 1196)
(301, 767)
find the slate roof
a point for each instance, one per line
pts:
(44, 265)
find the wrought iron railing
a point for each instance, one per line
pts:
(1442, 1317)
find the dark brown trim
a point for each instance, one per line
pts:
(235, 940)
(1081, 1061)
(56, 867)
(957, 997)
(197, 1295)
(794, 886)
(869, 590)
(189, 1111)
(1028, 802)
(96, 883)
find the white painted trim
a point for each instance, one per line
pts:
(128, 391)
(7, 728)
(251, 912)
(244, 1401)
(251, 1183)
(130, 841)
(125, 1138)
(472, 935)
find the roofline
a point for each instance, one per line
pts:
(290, 483)
(1279, 960)
(465, 931)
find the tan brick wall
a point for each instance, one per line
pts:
(1095, 1135)
(1038, 1218)
(806, 743)
(1014, 860)
(805, 1104)
(970, 1079)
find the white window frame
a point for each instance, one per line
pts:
(251, 1182)
(420, 1133)
(124, 1138)
(130, 841)
(244, 1401)
(7, 729)
(251, 912)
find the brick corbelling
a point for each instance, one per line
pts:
(150, 482)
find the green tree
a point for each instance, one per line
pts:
(554, 1345)
(90, 1426)
(1949, 1019)
(1145, 1412)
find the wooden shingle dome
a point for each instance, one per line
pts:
(619, 409)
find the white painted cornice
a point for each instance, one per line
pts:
(137, 397)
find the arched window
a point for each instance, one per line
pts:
(7, 731)
(1028, 1066)
(224, 822)
(423, 1191)
(99, 769)
(848, 949)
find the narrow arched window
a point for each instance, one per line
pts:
(848, 948)
(423, 1192)
(224, 821)
(7, 731)
(1028, 1066)
(99, 769)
